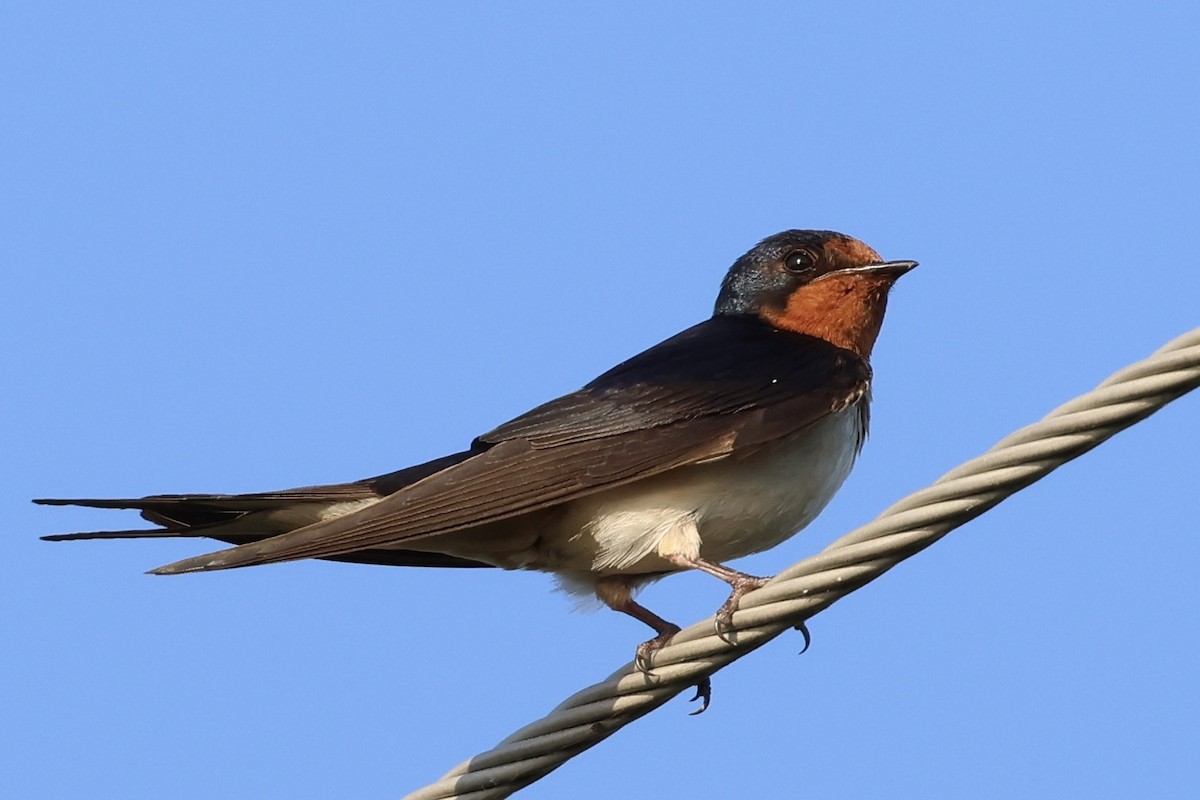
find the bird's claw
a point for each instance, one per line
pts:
(703, 694)
(803, 628)
(641, 658)
(723, 622)
(646, 650)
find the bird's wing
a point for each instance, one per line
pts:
(724, 387)
(724, 365)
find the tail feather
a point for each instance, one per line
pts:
(94, 502)
(245, 518)
(175, 531)
(212, 502)
(389, 558)
(145, 533)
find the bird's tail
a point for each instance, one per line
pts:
(245, 518)
(231, 518)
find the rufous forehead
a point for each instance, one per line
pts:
(852, 250)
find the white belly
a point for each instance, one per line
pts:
(719, 511)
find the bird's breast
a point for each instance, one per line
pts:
(729, 508)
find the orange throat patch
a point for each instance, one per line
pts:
(845, 310)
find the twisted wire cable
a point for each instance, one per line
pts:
(812, 585)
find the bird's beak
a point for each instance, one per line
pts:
(887, 269)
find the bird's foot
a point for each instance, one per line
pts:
(742, 585)
(646, 650)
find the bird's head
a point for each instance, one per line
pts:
(820, 283)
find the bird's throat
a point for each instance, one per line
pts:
(845, 310)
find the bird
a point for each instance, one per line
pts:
(719, 442)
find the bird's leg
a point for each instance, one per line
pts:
(616, 593)
(742, 585)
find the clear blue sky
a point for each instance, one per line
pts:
(251, 246)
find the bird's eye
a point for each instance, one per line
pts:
(800, 261)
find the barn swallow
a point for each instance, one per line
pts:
(719, 442)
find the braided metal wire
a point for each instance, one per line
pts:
(814, 584)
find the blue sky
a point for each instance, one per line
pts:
(252, 246)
